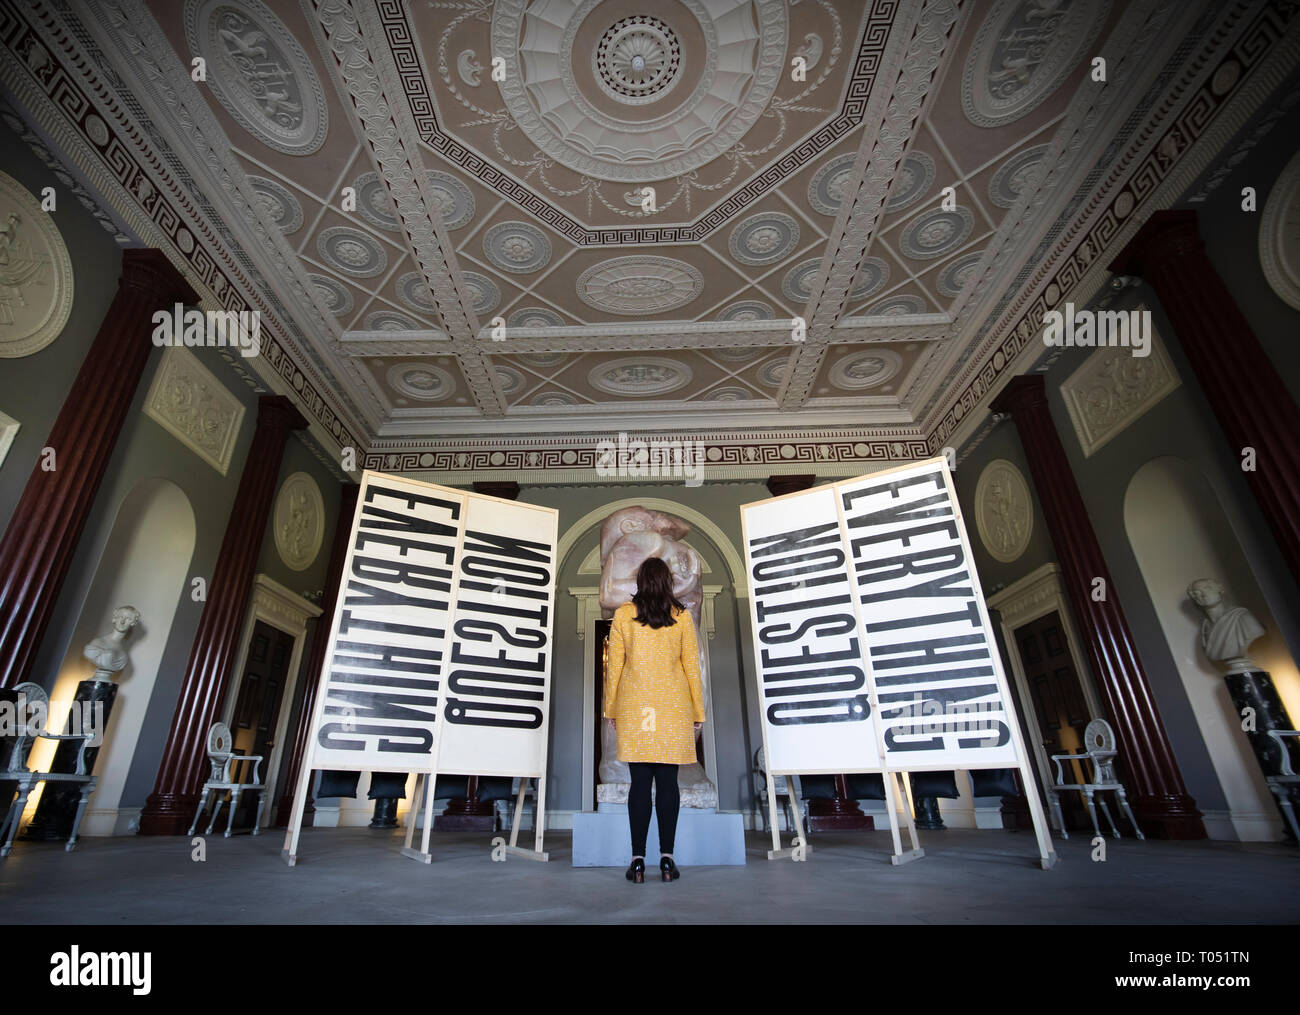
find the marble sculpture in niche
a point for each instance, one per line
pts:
(628, 537)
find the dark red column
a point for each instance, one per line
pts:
(170, 807)
(311, 671)
(37, 547)
(1253, 406)
(1163, 806)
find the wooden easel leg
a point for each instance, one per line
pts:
(799, 845)
(519, 812)
(290, 851)
(775, 851)
(414, 809)
(539, 821)
(423, 854)
(899, 857)
(1046, 855)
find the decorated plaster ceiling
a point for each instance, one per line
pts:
(645, 211)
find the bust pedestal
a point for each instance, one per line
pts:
(1254, 689)
(58, 807)
(705, 838)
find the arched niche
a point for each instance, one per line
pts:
(1179, 532)
(144, 564)
(575, 557)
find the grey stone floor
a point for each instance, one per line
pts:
(357, 876)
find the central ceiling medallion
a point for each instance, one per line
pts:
(621, 95)
(638, 60)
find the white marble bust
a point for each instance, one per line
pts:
(108, 653)
(1226, 631)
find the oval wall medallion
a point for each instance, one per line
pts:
(35, 273)
(259, 73)
(299, 520)
(1004, 512)
(1279, 235)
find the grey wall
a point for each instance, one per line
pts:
(33, 389)
(1182, 425)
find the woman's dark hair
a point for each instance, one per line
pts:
(654, 599)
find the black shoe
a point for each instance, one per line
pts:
(668, 870)
(636, 871)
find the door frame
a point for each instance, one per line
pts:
(288, 612)
(1023, 601)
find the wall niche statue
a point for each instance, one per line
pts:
(628, 537)
(1226, 635)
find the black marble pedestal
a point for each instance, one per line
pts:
(58, 807)
(1255, 690)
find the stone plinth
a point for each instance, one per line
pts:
(705, 838)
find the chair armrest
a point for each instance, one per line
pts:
(1286, 755)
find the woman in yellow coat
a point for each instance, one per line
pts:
(653, 697)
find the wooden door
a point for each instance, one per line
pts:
(1061, 708)
(257, 709)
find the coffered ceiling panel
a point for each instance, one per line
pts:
(469, 218)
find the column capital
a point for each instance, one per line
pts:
(778, 486)
(506, 490)
(1164, 236)
(1028, 391)
(279, 412)
(147, 269)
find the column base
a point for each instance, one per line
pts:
(838, 815)
(465, 823)
(1169, 817)
(168, 814)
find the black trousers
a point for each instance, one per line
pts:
(667, 800)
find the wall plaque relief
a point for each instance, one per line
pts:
(188, 402)
(35, 274)
(1004, 512)
(299, 520)
(1112, 388)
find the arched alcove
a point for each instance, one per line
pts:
(1179, 532)
(145, 564)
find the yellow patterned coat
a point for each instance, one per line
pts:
(652, 688)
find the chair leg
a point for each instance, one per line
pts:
(216, 809)
(13, 819)
(1114, 832)
(261, 802)
(1092, 812)
(230, 814)
(1128, 811)
(203, 802)
(1055, 800)
(86, 790)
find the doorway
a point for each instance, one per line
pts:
(257, 709)
(1058, 703)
